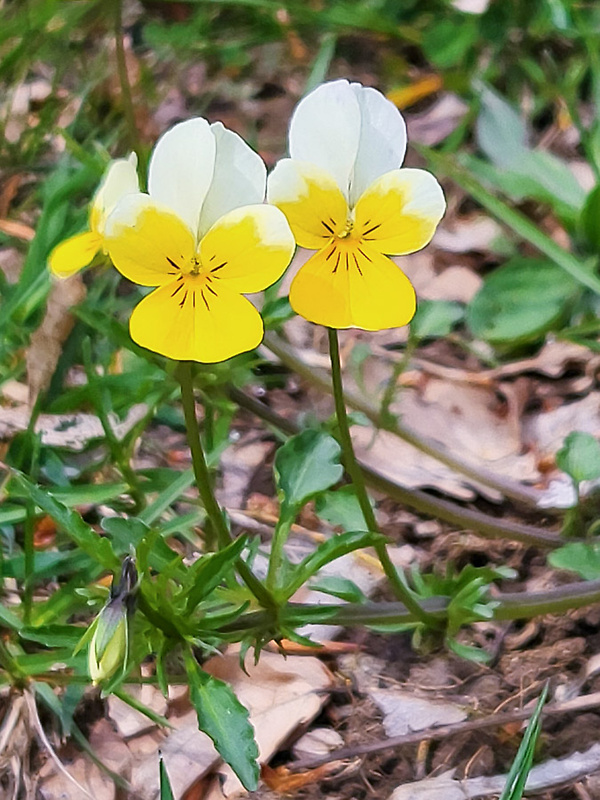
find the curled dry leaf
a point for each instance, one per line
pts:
(47, 341)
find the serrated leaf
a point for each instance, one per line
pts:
(71, 523)
(225, 720)
(304, 466)
(579, 457)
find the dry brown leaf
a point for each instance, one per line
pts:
(47, 341)
(282, 780)
(542, 778)
(12, 227)
(8, 191)
(432, 126)
(71, 431)
(281, 695)
(468, 234)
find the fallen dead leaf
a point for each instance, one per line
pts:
(543, 777)
(283, 781)
(19, 230)
(47, 341)
(432, 126)
(468, 234)
(71, 431)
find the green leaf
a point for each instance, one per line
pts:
(166, 792)
(517, 777)
(341, 507)
(590, 219)
(333, 548)
(579, 557)
(520, 302)
(502, 135)
(54, 635)
(225, 720)
(306, 465)
(579, 457)
(500, 130)
(343, 588)
(208, 572)
(447, 41)
(71, 523)
(436, 318)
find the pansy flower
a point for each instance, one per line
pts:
(345, 197)
(203, 236)
(77, 252)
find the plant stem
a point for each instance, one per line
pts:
(201, 472)
(399, 367)
(203, 482)
(126, 98)
(398, 584)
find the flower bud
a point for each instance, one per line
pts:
(109, 646)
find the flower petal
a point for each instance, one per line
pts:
(382, 143)
(147, 243)
(181, 169)
(73, 254)
(120, 179)
(310, 199)
(239, 178)
(325, 130)
(399, 212)
(248, 249)
(351, 287)
(196, 326)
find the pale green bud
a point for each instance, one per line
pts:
(109, 646)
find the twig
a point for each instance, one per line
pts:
(443, 731)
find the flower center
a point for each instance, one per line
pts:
(346, 230)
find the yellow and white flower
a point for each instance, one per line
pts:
(73, 254)
(203, 236)
(344, 195)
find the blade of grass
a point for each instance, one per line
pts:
(517, 776)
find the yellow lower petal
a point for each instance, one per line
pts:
(73, 254)
(186, 321)
(399, 212)
(350, 285)
(248, 249)
(148, 244)
(310, 199)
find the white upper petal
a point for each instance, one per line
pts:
(382, 143)
(325, 130)
(239, 177)
(119, 180)
(181, 169)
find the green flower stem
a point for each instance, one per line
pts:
(318, 377)
(461, 518)
(204, 484)
(126, 98)
(393, 575)
(391, 386)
